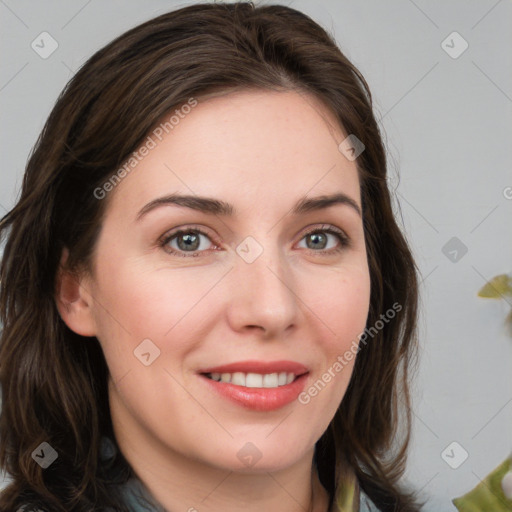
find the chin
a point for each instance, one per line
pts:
(260, 456)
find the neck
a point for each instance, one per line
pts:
(179, 482)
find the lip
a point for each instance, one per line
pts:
(258, 367)
(258, 399)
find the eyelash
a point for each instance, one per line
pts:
(342, 237)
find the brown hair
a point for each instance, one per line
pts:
(54, 383)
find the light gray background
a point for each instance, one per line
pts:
(447, 124)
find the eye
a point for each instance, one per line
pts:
(188, 240)
(318, 240)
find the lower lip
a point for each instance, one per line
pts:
(259, 399)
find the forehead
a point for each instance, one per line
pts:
(252, 147)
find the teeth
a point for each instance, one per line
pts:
(238, 378)
(270, 380)
(254, 380)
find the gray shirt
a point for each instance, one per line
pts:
(138, 499)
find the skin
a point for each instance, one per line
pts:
(261, 152)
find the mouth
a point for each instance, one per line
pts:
(258, 386)
(254, 380)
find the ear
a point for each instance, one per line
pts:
(74, 302)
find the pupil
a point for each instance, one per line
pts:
(316, 237)
(190, 241)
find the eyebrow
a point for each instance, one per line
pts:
(213, 206)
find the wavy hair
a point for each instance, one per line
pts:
(54, 382)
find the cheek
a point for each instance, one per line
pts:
(138, 303)
(341, 301)
(342, 306)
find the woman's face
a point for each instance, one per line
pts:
(253, 296)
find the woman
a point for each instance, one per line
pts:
(207, 302)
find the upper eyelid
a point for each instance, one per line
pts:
(185, 229)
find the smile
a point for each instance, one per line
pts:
(257, 385)
(254, 380)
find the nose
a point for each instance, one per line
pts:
(262, 295)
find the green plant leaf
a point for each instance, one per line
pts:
(488, 495)
(508, 322)
(497, 287)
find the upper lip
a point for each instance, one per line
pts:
(262, 367)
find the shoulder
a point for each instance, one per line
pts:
(138, 497)
(351, 496)
(366, 504)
